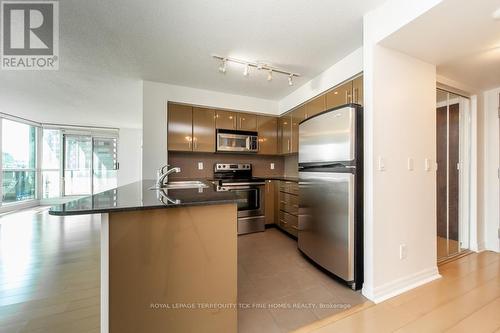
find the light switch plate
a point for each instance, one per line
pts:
(200, 165)
(410, 164)
(381, 164)
(427, 165)
(272, 166)
(403, 252)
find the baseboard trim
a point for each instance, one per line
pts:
(404, 284)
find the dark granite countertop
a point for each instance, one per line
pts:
(139, 196)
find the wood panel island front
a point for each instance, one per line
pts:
(168, 257)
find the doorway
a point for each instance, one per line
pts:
(90, 164)
(453, 174)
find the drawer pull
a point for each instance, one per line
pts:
(284, 222)
(294, 227)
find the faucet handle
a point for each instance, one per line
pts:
(161, 170)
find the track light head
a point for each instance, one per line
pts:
(246, 72)
(290, 80)
(222, 67)
(270, 75)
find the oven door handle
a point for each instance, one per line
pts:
(232, 188)
(230, 185)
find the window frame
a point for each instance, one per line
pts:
(105, 132)
(28, 202)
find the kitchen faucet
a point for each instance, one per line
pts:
(161, 175)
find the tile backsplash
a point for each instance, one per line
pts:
(188, 162)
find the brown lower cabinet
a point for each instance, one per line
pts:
(288, 207)
(271, 198)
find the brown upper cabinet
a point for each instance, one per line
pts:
(246, 122)
(357, 90)
(298, 115)
(225, 120)
(285, 134)
(203, 130)
(267, 128)
(190, 128)
(180, 130)
(315, 106)
(235, 120)
(339, 96)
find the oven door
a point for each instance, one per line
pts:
(250, 200)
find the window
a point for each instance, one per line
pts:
(105, 164)
(90, 164)
(51, 163)
(18, 161)
(77, 165)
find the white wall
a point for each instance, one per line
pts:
(399, 98)
(346, 68)
(129, 155)
(155, 98)
(491, 164)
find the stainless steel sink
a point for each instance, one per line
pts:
(187, 184)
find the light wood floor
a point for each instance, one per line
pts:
(49, 282)
(49, 272)
(465, 299)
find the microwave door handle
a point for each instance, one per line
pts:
(248, 142)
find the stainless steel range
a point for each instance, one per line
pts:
(238, 178)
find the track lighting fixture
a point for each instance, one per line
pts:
(258, 65)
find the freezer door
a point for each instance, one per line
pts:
(326, 221)
(328, 137)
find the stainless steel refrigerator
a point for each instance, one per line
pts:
(331, 192)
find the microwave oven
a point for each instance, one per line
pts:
(237, 141)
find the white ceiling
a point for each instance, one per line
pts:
(107, 47)
(460, 37)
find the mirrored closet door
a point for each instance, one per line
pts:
(453, 173)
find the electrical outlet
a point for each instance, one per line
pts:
(272, 166)
(200, 165)
(403, 252)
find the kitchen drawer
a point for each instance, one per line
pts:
(289, 187)
(289, 203)
(288, 223)
(288, 219)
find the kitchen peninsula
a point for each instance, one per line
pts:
(167, 256)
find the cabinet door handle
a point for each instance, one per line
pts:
(288, 145)
(240, 123)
